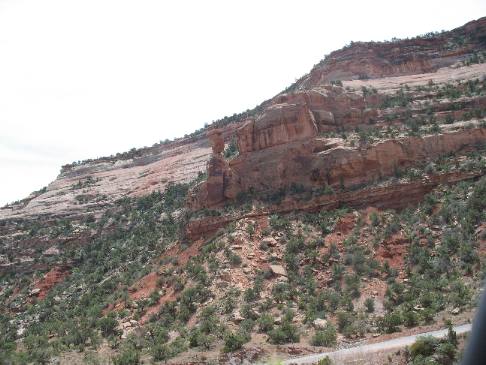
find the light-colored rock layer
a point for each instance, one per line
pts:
(73, 194)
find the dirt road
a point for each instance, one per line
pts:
(361, 350)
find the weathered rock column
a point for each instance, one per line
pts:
(222, 182)
(216, 169)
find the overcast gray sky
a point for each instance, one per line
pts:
(84, 79)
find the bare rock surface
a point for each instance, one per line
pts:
(93, 186)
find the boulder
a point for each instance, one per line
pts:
(319, 323)
(173, 335)
(215, 136)
(52, 251)
(237, 317)
(269, 241)
(278, 270)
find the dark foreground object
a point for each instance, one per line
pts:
(475, 353)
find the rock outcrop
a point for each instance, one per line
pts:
(311, 164)
(395, 196)
(92, 187)
(288, 142)
(364, 60)
(302, 115)
(222, 183)
(315, 162)
(279, 124)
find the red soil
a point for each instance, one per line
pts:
(393, 250)
(53, 277)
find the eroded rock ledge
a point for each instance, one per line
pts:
(394, 196)
(314, 162)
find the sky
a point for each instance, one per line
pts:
(85, 79)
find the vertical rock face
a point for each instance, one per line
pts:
(216, 169)
(330, 106)
(290, 119)
(282, 147)
(304, 162)
(215, 182)
(221, 183)
(280, 123)
(302, 115)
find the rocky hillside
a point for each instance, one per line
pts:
(350, 207)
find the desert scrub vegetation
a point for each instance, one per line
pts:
(323, 280)
(443, 270)
(430, 350)
(231, 150)
(129, 237)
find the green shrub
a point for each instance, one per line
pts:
(375, 220)
(234, 342)
(390, 322)
(410, 318)
(449, 119)
(285, 333)
(200, 338)
(278, 222)
(234, 259)
(325, 361)
(344, 319)
(446, 353)
(247, 326)
(161, 352)
(159, 333)
(129, 356)
(423, 346)
(107, 326)
(325, 337)
(231, 149)
(38, 349)
(369, 305)
(265, 323)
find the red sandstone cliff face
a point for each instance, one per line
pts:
(405, 57)
(397, 196)
(302, 115)
(222, 182)
(308, 163)
(279, 124)
(282, 145)
(356, 166)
